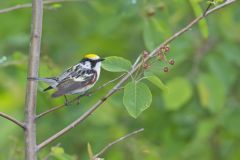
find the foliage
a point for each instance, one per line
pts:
(137, 97)
(194, 111)
(116, 64)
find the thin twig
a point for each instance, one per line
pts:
(116, 141)
(210, 4)
(77, 98)
(126, 77)
(137, 60)
(29, 5)
(188, 27)
(31, 91)
(20, 124)
(12, 63)
(57, 107)
(107, 83)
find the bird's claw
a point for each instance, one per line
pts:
(66, 103)
(78, 100)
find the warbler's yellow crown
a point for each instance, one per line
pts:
(91, 56)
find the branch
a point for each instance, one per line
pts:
(127, 76)
(77, 98)
(20, 124)
(57, 107)
(116, 141)
(188, 27)
(29, 5)
(31, 91)
(210, 4)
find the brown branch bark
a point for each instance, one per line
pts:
(31, 91)
(108, 146)
(127, 76)
(29, 5)
(20, 124)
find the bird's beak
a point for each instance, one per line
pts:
(101, 59)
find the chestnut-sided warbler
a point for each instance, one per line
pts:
(76, 79)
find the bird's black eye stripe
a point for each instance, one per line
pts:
(85, 59)
(91, 60)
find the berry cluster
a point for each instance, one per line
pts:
(145, 64)
(151, 10)
(161, 55)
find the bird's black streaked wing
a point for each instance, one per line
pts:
(70, 71)
(70, 84)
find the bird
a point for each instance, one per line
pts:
(77, 79)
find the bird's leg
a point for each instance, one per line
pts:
(66, 100)
(88, 94)
(78, 99)
(82, 95)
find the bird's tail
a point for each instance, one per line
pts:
(47, 80)
(51, 81)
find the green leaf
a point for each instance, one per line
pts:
(219, 67)
(137, 97)
(230, 52)
(211, 92)
(116, 64)
(56, 5)
(57, 150)
(90, 152)
(155, 80)
(230, 120)
(215, 2)
(154, 31)
(18, 55)
(202, 23)
(148, 36)
(58, 154)
(179, 92)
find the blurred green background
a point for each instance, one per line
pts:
(199, 117)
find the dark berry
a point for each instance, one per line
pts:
(161, 7)
(145, 54)
(151, 11)
(167, 49)
(165, 69)
(171, 61)
(145, 65)
(161, 56)
(162, 49)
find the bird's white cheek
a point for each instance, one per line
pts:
(98, 69)
(86, 65)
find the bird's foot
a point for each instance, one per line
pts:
(88, 94)
(66, 103)
(78, 100)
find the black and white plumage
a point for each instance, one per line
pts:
(76, 79)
